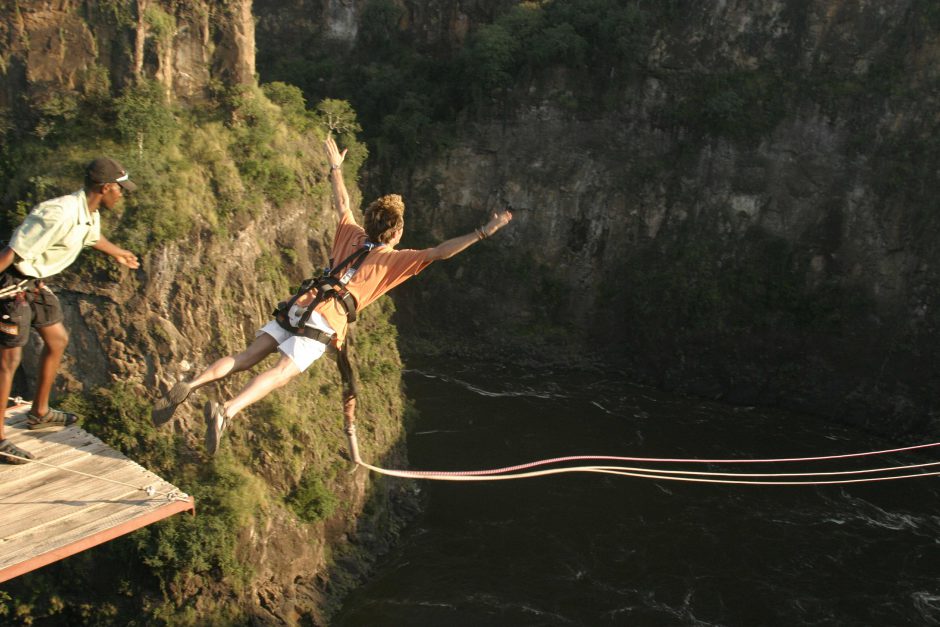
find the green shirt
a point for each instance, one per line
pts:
(52, 235)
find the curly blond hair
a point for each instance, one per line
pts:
(383, 217)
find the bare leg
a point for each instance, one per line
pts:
(9, 362)
(163, 410)
(261, 347)
(55, 338)
(262, 385)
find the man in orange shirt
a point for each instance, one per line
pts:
(303, 335)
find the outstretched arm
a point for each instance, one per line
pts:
(335, 157)
(451, 247)
(121, 255)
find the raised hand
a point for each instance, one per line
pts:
(333, 154)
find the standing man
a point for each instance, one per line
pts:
(310, 323)
(45, 244)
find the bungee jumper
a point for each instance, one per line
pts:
(315, 320)
(46, 243)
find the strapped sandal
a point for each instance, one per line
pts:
(7, 448)
(214, 414)
(53, 418)
(164, 408)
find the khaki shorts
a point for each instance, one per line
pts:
(303, 351)
(37, 307)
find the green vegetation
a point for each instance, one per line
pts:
(407, 94)
(311, 500)
(160, 24)
(198, 168)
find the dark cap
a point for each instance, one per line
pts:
(104, 170)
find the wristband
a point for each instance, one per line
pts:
(481, 234)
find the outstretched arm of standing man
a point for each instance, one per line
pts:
(121, 255)
(336, 158)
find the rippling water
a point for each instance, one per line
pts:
(605, 550)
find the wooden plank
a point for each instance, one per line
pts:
(55, 532)
(51, 445)
(96, 538)
(84, 460)
(49, 513)
(60, 500)
(87, 485)
(65, 532)
(42, 513)
(36, 442)
(67, 485)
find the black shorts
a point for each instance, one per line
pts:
(37, 307)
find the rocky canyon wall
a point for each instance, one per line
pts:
(743, 208)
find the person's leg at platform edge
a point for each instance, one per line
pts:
(14, 332)
(47, 319)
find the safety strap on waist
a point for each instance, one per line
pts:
(309, 332)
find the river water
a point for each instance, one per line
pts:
(592, 549)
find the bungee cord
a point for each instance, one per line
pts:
(687, 460)
(523, 471)
(663, 475)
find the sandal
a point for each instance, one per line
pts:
(53, 418)
(214, 413)
(7, 448)
(164, 408)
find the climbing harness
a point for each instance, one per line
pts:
(329, 285)
(16, 283)
(525, 471)
(12, 290)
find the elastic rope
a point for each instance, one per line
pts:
(673, 460)
(615, 470)
(512, 472)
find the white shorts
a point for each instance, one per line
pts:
(303, 351)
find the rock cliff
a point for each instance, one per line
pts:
(731, 199)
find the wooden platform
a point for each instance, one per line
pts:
(47, 514)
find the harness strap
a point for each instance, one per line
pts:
(328, 286)
(12, 290)
(313, 333)
(17, 283)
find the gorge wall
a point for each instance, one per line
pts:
(731, 199)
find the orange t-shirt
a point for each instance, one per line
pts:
(383, 269)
